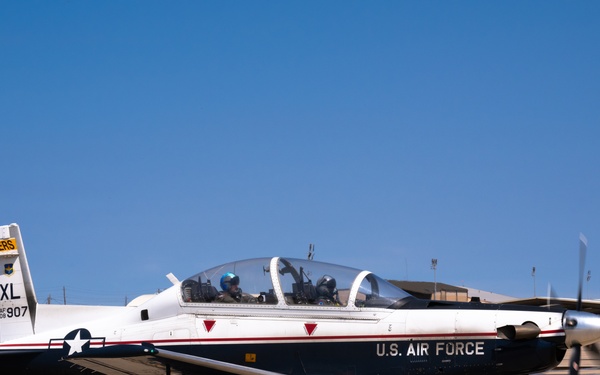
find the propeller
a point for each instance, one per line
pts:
(576, 356)
(574, 362)
(551, 298)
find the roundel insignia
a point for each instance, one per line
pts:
(77, 341)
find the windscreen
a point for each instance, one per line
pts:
(377, 292)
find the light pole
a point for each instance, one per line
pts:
(434, 268)
(589, 276)
(533, 275)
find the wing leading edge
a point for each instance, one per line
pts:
(146, 359)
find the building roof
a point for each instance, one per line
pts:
(592, 306)
(488, 297)
(426, 287)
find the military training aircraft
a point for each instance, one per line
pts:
(278, 316)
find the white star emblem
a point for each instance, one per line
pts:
(76, 344)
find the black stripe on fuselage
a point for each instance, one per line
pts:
(474, 355)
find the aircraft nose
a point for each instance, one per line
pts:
(581, 328)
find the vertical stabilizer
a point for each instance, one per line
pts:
(17, 296)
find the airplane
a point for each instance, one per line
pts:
(280, 316)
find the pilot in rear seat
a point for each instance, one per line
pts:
(327, 291)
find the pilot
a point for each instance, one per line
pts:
(327, 294)
(232, 293)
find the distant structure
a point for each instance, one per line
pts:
(433, 291)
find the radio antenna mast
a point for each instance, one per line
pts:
(311, 251)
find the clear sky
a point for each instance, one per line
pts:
(142, 138)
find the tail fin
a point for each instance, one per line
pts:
(17, 296)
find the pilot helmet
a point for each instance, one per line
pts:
(228, 279)
(326, 286)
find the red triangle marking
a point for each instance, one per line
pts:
(310, 328)
(209, 324)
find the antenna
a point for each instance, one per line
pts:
(311, 251)
(434, 268)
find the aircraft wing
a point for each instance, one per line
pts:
(122, 366)
(145, 359)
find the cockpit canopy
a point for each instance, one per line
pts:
(292, 282)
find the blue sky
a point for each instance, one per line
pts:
(142, 138)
